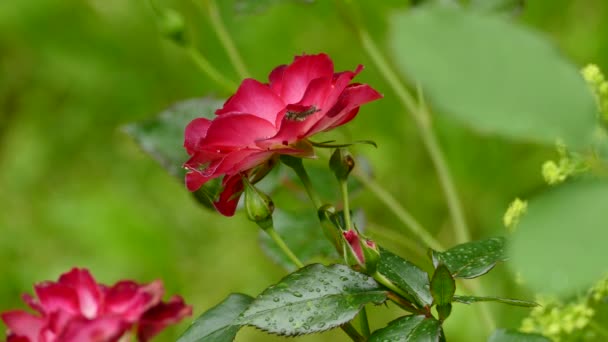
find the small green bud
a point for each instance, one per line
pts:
(371, 253)
(552, 173)
(172, 26)
(516, 210)
(341, 163)
(258, 205)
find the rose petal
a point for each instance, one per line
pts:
(55, 296)
(254, 98)
(161, 316)
(104, 329)
(237, 130)
(194, 180)
(229, 198)
(195, 131)
(298, 75)
(86, 288)
(276, 78)
(130, 300)
(23, 325)
(346, 108)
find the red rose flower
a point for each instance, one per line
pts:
(261, 121)
(78, 309)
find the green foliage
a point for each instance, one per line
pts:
(410, 329)
(162, 137)
(509, 301)
(443, 287)
(302, 233)
(472, 259)
(313, 299)
(218, 324)
(493, 75)
(407, 276)
(559, 243)
(505, 335)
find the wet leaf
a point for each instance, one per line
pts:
(472, 259)
(218, 324)
(313, 299)
(443, 288)
(410, 329)
(407, 277)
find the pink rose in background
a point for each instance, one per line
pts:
(261, 121)
(78, 309)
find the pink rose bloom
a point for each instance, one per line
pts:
(78, 309)
(263, 120)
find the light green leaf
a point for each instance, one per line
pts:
(313, 299)
(493, 75)
(410, 329)
(472, 259)
(407, 277)
(162, 138)
(218, 324)
(504, 335)
(510, 301)
(303, 235)
(560, 244)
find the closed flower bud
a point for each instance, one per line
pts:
(258, 205)
(172, 26)
(360, 251)
(341, 163)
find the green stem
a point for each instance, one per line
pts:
(364, 323)
(352, 333)
(402, 214)
(382, 279)
(203, 64)
(347, 219)
(298, 167)
(283, 246)
(422, 118)
(402, 303)
(225, 39)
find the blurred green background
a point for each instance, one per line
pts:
(76, 191)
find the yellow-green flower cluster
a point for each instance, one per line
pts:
(516, 209)
(599, 291)
(568, 164)
(557, 320)
(599, 86)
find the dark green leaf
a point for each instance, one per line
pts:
(303, 235)
(407, 277)
(313, 299)
(472, 259)
(410, 329)
(443, 288)
(504, 335)
(163, 136)
(493, 75)
(560, 244)
(218, 324)
(475, 299)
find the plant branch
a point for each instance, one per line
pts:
(283, 246)
(352, 333)
(402, 214)
(364, 323)
(422, 118)
(225, 39)
(203, 64)
(345, 202)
